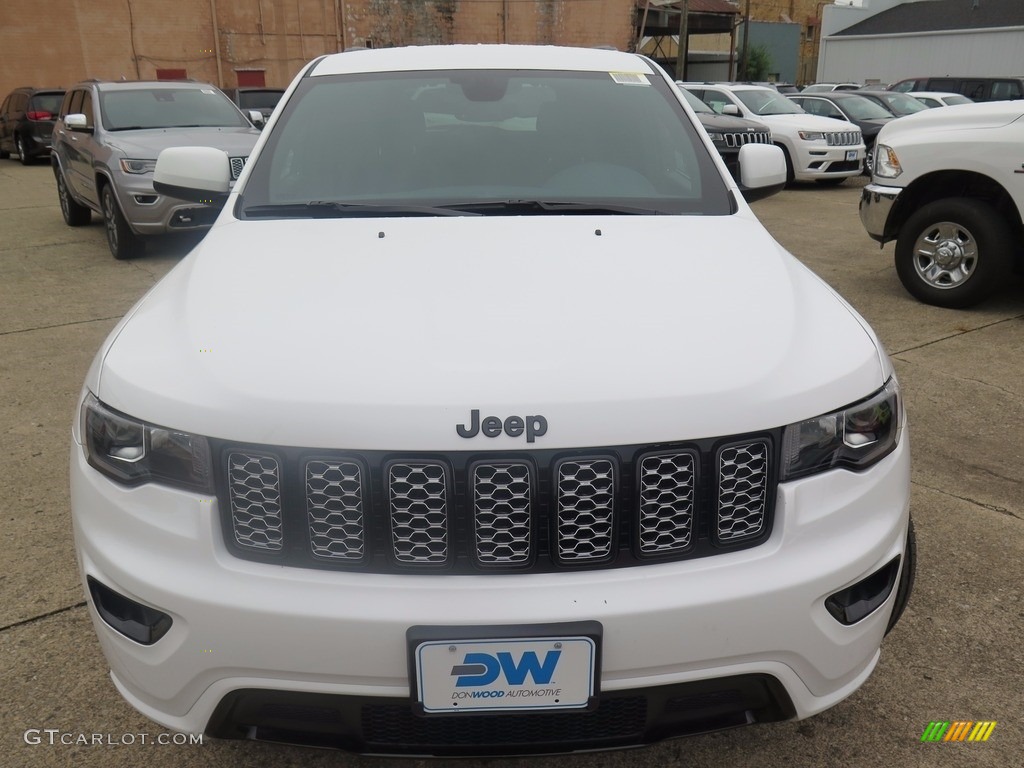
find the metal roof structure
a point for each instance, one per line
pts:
(938, 16)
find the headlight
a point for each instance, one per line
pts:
(812, 135)
(133, 452)
(716, 136)
(853, 438)
(887, 165)
(137, 166)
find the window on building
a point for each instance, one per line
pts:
(172, 74)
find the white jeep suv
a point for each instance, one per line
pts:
(425, 450)
(817, 148)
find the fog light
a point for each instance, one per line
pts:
(134, 620)
(852, 604)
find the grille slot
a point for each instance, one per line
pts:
(742, 490)
(585, 500)
(237, 164)
(502, 512)
(418, 504)
(254, 481)
(463, 512)
(668, 484)
(335, 509)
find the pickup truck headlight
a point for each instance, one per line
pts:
(137, 166)
(133, 452)
(812, 135)
(887, 164)
(852, 438)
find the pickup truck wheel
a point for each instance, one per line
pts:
(124, 244)
(954, 252)
(75, 215)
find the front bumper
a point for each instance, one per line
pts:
(150, 213)
(876, 203)
(242, 626)
(816, 160)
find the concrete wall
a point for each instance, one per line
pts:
(68, 40)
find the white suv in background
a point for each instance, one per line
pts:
(817, 148)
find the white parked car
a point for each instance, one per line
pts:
(817, 148)
(422, 451)
(940, 98)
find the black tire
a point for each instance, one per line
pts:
(75, 215)
(907, 575)
(954, 252)
(124, 244)
(23, 155)
(789, 165)
(4, 154)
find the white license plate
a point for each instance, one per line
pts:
(851, 154)
(505, 674)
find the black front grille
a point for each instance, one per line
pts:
(738, 138)
(461, 512)
(389, 726)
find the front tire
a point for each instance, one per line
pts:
(906, 582)
(124, 244)
(954, 253)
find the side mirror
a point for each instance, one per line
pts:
(197, 174)
(77, 122)
(730, 109)
(762, 171)
(256, 118)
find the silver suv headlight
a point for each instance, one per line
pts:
(133, 452)
(129, 165)
(852, 438)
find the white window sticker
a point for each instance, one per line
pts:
(630, 78)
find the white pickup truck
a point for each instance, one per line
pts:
(948, 187)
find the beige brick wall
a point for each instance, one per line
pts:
(111, 39)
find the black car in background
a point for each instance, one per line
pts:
(899, 104)
(728, 133)
(852, 106)
(27, 116)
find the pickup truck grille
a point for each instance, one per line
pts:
(468, 512)
(843, 138)
(738, 139)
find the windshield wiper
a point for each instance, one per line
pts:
(552, 206)
(331, 209)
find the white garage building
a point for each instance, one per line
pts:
(873, 41)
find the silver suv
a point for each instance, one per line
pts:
(106, 142)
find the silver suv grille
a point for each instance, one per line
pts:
(237, 164)
(462, 511)
(843, 138)
(740, 138)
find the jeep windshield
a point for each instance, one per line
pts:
(491, 142)
(127, 109)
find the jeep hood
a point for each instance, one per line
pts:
(147, 144)
(386, 333)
